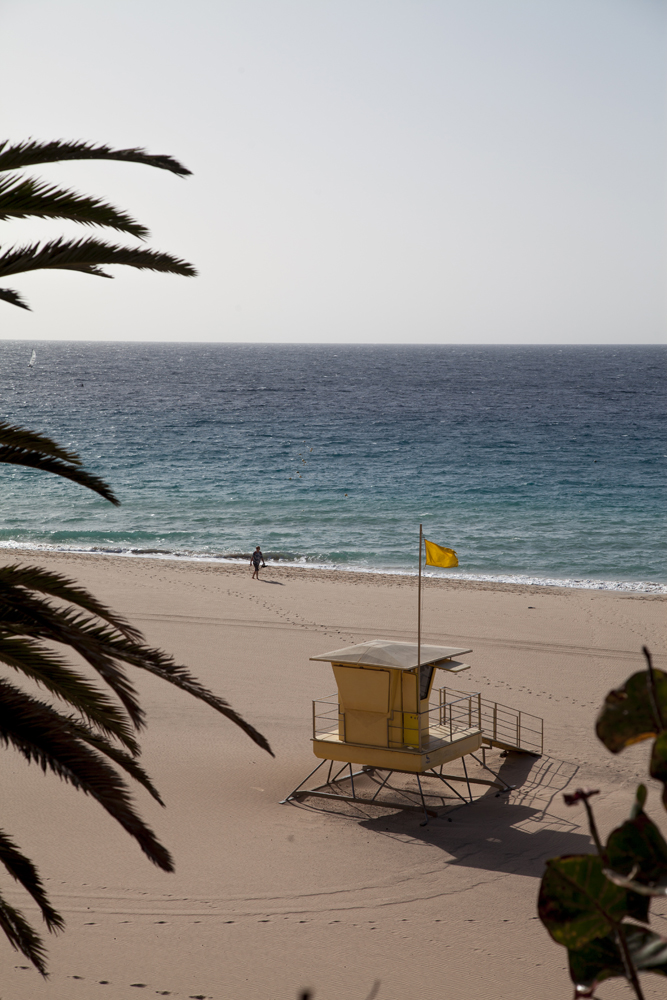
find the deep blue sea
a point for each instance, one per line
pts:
(543, 464)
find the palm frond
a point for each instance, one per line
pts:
(44, 736)
(22, 937)
(24, 154)
(22, 197)
(46, 668)
(25, 873)
(51, 672)
(9, 295)
(98, 644)
(19, 446)
(181, 678)
(87, 255)
(104, 648)
(35, 460)
(19, 437)
(59, 586)
(22, 613)
(119, 757)
(103, 644)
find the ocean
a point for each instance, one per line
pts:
(536, 464)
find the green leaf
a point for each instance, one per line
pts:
(659, 763)
(601, 959)
(628, 716)
(578, 903)
(640, 800)
(637, 852)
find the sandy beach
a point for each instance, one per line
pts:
(271, 899)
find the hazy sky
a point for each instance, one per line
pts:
(403, 171)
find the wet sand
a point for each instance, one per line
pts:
(270, 899)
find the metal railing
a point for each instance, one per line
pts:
(505, 727)
(456, 715)
(325, 717)
(442, 722)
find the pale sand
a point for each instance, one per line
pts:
(268, 899)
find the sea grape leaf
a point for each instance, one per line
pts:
(628, 714)
(637, 852)
(578, 903)
(640, 800)
(589, 966)
(601, 959)
(659, 763)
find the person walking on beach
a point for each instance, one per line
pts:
(255, 560)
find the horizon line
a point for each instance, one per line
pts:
(325, 343)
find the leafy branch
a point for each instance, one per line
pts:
(597, 905)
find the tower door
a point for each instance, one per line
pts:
(364, 701)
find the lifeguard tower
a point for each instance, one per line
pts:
(389, 716)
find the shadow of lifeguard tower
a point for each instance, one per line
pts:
(388, 716)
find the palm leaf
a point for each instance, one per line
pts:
(33, 460)
(119, 757)
(64, 589)
(19, 437)
(9, 295)
(44, 736)
(36, 451)
(23, 870)
(181, 678)
(21, 197)
(22, 613)
(21, 936)
(87, 256)
(102, 645)
(99, 643)
(24, 154)
(51, 672)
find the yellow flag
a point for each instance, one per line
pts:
(436, 555)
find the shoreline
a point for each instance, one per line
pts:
(390, 578)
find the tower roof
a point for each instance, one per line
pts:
(387, 653)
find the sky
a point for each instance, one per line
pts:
(364, 171)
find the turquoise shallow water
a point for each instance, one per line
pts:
(536, 463)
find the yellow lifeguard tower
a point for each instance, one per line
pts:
(388, 715)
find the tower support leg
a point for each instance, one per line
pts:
(465, 769)
(507, 788)
(283, 801)
(425, 819)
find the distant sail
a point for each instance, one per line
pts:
(33, 358)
